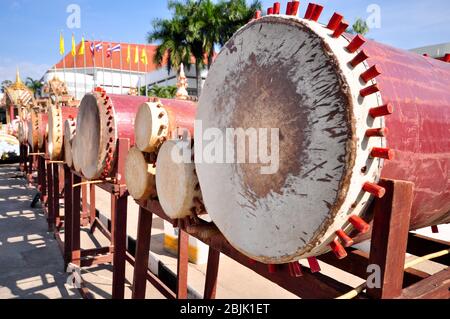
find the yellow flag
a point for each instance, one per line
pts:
(144, 56)
(82, 47)
(136, 55)
(74, 50)
(62, 51)
(129, 54)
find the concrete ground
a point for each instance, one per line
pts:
(31, 264)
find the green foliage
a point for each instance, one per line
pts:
(5, 84)
(195, 29)
(164, 92)
(34, 85)
(359, 27)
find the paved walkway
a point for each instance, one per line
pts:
(31, 265)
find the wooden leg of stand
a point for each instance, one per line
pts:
(211, 274)
(183, 260)
(142, 253)
(389, 237)
(50, 204)
(92, 204)
(68, 230)
(44, 182)
(56, 194)
(84, 205)
(76, 198)
(119, 236)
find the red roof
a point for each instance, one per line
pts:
(79, 59)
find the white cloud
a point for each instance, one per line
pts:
(27, 69)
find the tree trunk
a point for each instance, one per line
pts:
(199, 79)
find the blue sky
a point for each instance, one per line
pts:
(29, 29)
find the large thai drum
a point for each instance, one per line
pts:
(103, 119)
(56, 118)
(298, 127)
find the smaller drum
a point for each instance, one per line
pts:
(140, 174)
(69, 134)
(176, 180)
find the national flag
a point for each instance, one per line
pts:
(62, 50)
(136, 55)
(82, 47)
(144, 59)
(96, 47)
(74, 50)
(113, 49)
(129, 54)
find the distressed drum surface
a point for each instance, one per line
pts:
(69, 133)
(287, 74)
(176, 182)
(139, 175)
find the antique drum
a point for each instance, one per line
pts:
(300, 121)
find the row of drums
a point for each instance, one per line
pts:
(284, 149)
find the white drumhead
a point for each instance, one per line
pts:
(139, 175)
(176, 181)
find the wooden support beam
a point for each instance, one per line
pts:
(182, 267)
(420, 245)
(68, 230)
(357, 261)
(212, 272)
(142, 253)
(389, 237)
(119, 237)
(434, 287)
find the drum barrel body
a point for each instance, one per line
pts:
(418, 129)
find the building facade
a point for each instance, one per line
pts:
(115, 70)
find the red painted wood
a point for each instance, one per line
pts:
(181, 114)
(418, 90)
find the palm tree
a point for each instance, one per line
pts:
(5, 84)
(235, 14)
(196, 28)
(34, 85)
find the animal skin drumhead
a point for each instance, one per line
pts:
(88, 136)
(55, 133)
(42, 129)
(150, 126)
(139, 175)
(69, 132)
(276, 147)
(176, 182)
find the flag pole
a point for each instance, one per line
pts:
(111, 65)
(103, 65)
(64, 60)
(74, 53)
(146, 66)
(129, 64)
(139, 72)
(85, 69)
(121, 73)
(92, 48)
